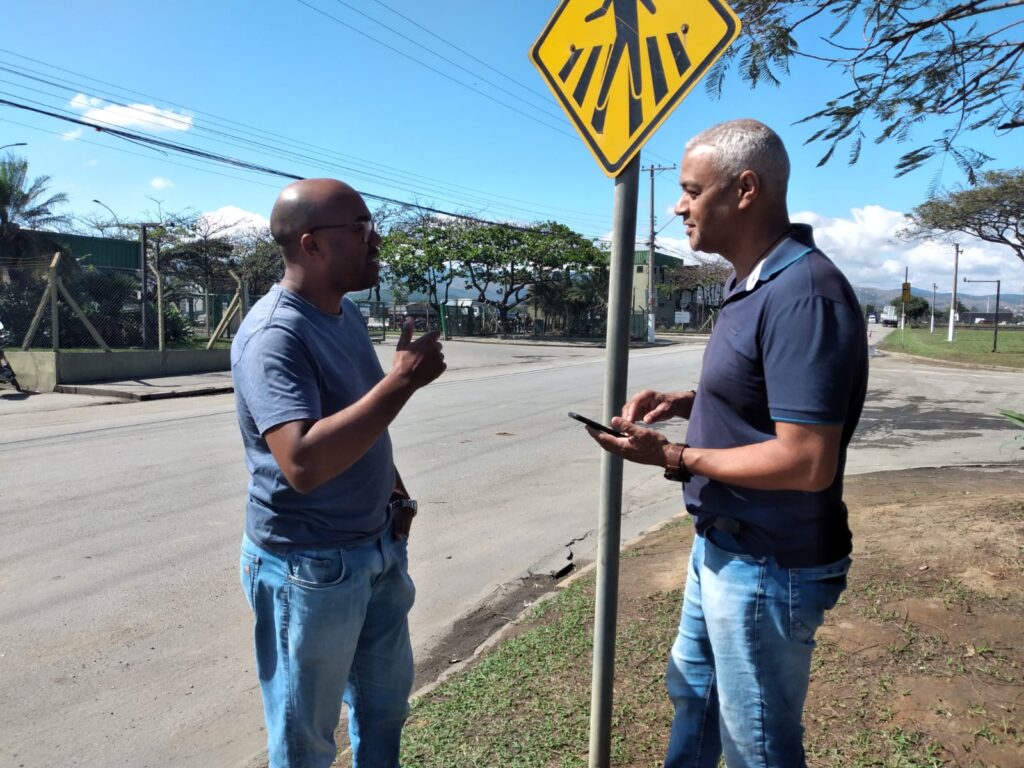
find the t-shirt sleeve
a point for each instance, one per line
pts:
(810, 351)
(277, 378)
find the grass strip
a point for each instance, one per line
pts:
(526, 704)
(970, 345)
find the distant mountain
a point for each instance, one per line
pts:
(880, 297)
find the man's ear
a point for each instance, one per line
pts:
(748, 187)
(308, 245)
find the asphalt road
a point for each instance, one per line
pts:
(124, 637)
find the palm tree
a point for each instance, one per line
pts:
(24, 206)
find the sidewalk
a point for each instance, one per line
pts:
(219, 382)
(156, 388)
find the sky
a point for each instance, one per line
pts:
(434, 102)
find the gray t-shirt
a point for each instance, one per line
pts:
(290, 361)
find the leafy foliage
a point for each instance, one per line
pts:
(992, 211)
(258, 259)
(505, 265)
(906, 60)
(25, 205)
(917, 309)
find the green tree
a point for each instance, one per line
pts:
(959, 61)
(423, 253)
(705, 278)
(200, 258)
(992, 211)
(508, 262)
(258, 258)
(25, 205)
(917, 309)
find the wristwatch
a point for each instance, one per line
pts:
(409, 505)
(679, 473)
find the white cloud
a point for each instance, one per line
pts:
(144, 116)
(71, 135)
(91, 163)
(161, 183)
(235, 219)
(867, 247)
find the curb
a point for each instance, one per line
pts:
(496, 638)
(163, 394)
(950, 363)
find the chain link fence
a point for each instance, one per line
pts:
(69, 307)
(111, 308)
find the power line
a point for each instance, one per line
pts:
(461, 50)
(379, 172)
(434, 69)
(234, 162)
(440, 56)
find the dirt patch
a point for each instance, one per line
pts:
(921, 663)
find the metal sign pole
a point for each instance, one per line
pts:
(620, 287)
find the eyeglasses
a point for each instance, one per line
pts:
(367, 225)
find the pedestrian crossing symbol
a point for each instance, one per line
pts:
(619, 67)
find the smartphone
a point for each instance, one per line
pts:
(595, 425)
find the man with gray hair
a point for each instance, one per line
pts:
(780, 394)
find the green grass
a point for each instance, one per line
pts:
(971, 345)
(526, 704)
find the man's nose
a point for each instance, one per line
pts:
(681, 207)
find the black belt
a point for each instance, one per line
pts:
(726, 524)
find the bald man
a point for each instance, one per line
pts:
(324, 563)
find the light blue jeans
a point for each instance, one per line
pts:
(332, 624)
(740, 665)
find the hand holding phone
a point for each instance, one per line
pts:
(596, 425)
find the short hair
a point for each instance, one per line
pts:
(740, 145)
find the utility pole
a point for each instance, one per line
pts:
(931, 328)
(952, 299)
(903, 308)
(652, 299)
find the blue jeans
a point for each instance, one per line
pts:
(740, 665)
(332, 624)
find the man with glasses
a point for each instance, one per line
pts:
(780, 394)
(324, 556)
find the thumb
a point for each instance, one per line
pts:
(625, 426)
(406, 336)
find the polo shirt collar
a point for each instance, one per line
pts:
(793, 246)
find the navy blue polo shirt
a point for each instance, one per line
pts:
(790, 344)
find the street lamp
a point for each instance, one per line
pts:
(117, 221)
(995, 324)
(19, 144)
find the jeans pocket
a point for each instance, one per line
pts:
(317, 570)
(248, 570)
(812, 591)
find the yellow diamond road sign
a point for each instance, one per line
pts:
(619, 67)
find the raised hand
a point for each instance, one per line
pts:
(420, 361)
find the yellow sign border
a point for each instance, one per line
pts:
(733, 27)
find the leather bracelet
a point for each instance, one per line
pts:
(679, 473)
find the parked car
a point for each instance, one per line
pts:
(872, 319)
